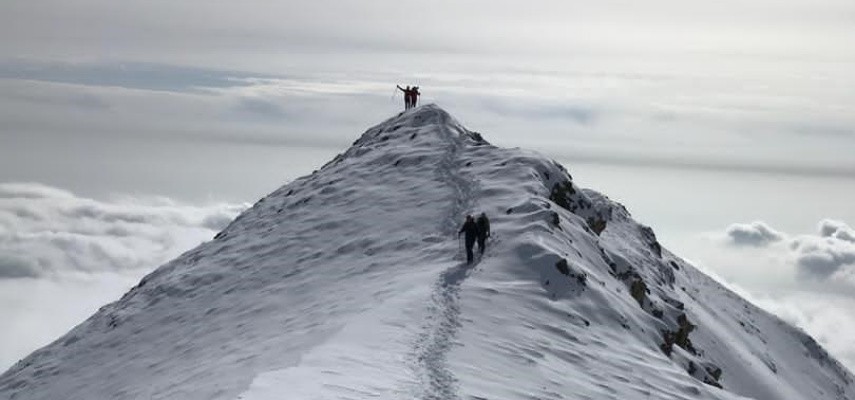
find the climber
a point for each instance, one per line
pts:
(470, 228)
(414, 96)
(483, 225)
(408, 96)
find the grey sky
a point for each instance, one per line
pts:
(695, 114)
(133, 29)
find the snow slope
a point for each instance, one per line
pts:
(349, 284)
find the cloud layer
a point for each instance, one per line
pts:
(825, 256)
(47, 231)
(807, 279)
(754, 234)
(62, 256)
(828, 256)
(248, 132)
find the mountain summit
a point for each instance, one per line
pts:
(350, 283)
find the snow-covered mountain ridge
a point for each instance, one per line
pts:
(349, 284)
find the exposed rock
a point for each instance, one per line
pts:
(598, 225)
(565, 269)
(638, 290)
(561, 194)
(650, 239)
(680, 336)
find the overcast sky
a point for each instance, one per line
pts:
(722, 124)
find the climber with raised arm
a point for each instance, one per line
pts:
(408, 96)
(470, 231)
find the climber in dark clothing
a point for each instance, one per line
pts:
(483, 225)
(414, 96)
(407, 96)
(470, 228)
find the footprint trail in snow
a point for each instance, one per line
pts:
(436, 381)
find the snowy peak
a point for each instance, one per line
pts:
(423, 126)
(425, 116)
(351, 283)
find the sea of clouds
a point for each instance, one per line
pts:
(62, 255)
(807, 279)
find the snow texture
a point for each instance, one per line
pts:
(350, 283)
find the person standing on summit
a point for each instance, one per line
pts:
(470, 229)
(407, 96)
(414, 96)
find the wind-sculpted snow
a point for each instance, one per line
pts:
(349, 284)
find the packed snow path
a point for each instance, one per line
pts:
(449, 169)
(343, 285)
(436, 380)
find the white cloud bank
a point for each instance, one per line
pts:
(47, 231)
(754, 234)
(806, 279)
(62, 256)
(827, 256)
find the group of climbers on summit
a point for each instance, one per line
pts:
(475, 230)
(411, 96)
